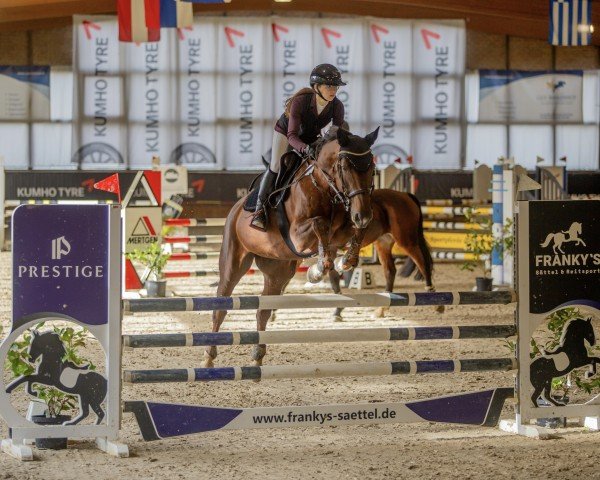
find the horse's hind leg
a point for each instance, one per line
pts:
(233, 264)
(277, 274)
(384, 253)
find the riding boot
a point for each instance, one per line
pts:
(259, 221)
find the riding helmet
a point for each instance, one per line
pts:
(326, 74)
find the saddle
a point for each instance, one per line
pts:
(290, 164)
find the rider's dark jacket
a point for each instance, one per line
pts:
(304, 124)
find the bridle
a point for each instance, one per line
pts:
(361, 162)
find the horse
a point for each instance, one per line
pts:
(397, 218)
(89, 386)
(329, 199)
(570, 354)
(571, 235)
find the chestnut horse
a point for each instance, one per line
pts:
(397, 218)
(328, 199)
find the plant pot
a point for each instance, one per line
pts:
(156, 288)
(50, 443)
(483, 284)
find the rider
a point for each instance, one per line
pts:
(306, 113)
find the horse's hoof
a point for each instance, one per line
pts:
(341, 265)
(273, 317)
(314, 274)
(337, 318)
(209, 362)
(440, 308)
(379, 312)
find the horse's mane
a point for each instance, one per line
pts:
(329, 136)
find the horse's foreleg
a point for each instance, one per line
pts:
(232, 267)
(277, 274)
(15, 383)
(350, 259)
(321, 228)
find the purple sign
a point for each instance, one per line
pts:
(60, 263)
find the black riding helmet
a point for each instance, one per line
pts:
(326, 74)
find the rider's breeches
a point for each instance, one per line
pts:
(279, 147)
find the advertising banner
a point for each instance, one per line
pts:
(537, 97)
(244, 102)
(99, 132)
(196, 116)
(24, 93)
(389, 63)
(438, 66)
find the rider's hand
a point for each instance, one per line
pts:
(309, 151)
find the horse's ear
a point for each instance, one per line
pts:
(371, 137)
(343, 137)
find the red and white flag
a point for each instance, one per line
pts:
(139, 20)
(110, 184)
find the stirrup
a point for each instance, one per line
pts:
(259, 220)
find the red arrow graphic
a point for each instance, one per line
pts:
(426, 34)
(198, 185)
(326, 33)
(278, 28)
(180, 32)
(87, 25)
(230, 32)
(376, 29)
(89, 184)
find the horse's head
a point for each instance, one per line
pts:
(578, 330)
(349, 161)
(44, 343)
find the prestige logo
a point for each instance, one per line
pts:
(60, 248)
(565, 262)
(57, 248)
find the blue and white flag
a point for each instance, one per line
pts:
(175, 14)
(570, 22)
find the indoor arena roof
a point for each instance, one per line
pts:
(525, 18)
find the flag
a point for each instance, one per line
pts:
(139, 20)
(176, 14)
(110, 184)
(570, 22)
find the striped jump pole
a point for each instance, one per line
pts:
(319, 336)
(451, 225)
(456, 256)
(207, 239)
(205, 273)
(322, 370)
(179, 257)
(433, 210)
(195, 222)
(273, 302)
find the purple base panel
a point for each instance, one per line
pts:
(319, 336)
(164, 420)
(269, 302)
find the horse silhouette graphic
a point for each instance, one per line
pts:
(571, 235)
(89, 386)
(570, 354)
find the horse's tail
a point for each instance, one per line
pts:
(421, 238)
(548, 240)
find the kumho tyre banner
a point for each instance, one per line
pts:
(99, 135)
